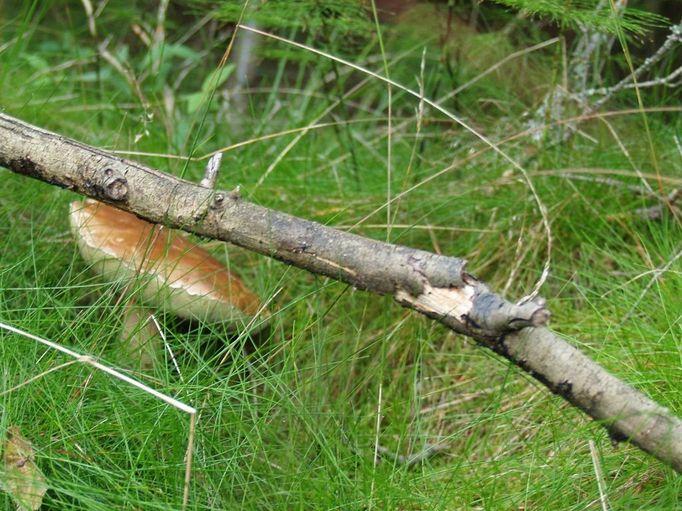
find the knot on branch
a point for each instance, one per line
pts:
(495, 316)
(108, 184)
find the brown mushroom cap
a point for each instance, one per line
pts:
(168, 270)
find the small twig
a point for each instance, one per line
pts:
(410, 460)
(417, 138)
(389, 131)
(597, 171)
(556, 99)
(673, 38)
(656, 212)
(666, 81)
(81, 391)
(601, 485)
(141, 33)
(159, 35)
(497, 65)
(89, 14)
(152, 318)
(87, 359)
(626, 153)
(455, 402)
(378, 426)
(247, 142)
(212, 169)
(424, 227)
(590, 48)
(38, 376)
(656, 275)
(606, 181)
(375, 460)
(125, 73)
(188, 459)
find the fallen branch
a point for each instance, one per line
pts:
(434, 285)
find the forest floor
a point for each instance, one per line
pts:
(347, 401)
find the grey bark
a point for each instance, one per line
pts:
(434, 285)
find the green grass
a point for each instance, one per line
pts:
(292, 424)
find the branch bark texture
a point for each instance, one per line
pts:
(437, 286)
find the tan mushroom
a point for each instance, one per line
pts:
(165, 269)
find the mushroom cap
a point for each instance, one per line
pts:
(166, 269)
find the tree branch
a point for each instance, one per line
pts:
(434, 285)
